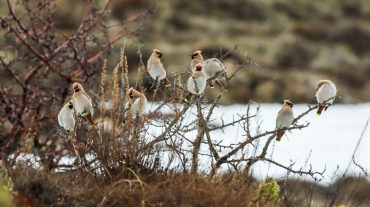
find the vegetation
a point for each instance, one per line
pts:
(268, 192)
(152, 160)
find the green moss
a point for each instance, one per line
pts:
(268, 192)
(6, 188)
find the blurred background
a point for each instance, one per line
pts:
(294, 43)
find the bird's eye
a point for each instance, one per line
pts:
(70, 106)
(77, 90)
(159, 54)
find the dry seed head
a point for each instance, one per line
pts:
(102, 85)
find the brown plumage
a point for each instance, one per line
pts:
(320, 108)
(196, 58)
(155, 67)
(82, 103)
(89, 119)
(279, 134)
(284, 119)
(325, 94)
(138, 102)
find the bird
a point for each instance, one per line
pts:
(197, 81)
(66, 117)
(196, 58)
(284, 119)
(213, 68)
(155, 67)
(82, 103)
(325, 94)
(138, 102)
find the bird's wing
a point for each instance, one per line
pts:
(60, 121)
(149, 64)
(220, 63)
(214, 68)
(277, 122)
(285, 117)
(87, 96)
(92, 108)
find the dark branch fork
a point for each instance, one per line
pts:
(262, 157)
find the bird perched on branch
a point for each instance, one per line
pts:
(284, 119)
(325, 94)
(213, 68)
(66, 117)
(196, 58)
(82, 103)
(197, 81)
(155, 67)
(138, 102)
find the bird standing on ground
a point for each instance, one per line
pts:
(213, 68)
(82, 103)
(325, 94)
(155, 67)
(138, 102)
(66, 117)
(284, 119)
(197, 81)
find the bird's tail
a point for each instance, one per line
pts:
(321, 107)
(279, 134)
(89, 119)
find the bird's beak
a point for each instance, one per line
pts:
(192, 56)
(160, 55)
(77, 90)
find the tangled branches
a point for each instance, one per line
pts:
(36, 55)
(173, 136)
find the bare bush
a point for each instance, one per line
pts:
(36, 55)
(41, 63)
